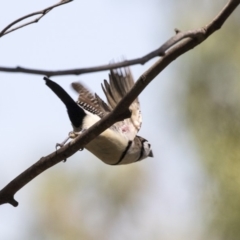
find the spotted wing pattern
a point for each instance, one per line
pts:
(88, 101)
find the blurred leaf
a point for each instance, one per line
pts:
(212, 111)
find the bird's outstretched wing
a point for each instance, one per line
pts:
(120, 83)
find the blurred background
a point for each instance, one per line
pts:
(189, 190)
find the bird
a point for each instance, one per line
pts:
(120, 143)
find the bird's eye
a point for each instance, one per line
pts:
(149, 145)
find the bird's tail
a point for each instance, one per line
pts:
(75, 113)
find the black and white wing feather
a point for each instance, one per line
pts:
(91, 103)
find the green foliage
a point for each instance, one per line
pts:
(212, 111)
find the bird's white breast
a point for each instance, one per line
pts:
(111, 144)
(108, 146)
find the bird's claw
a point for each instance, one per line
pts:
(71, 135)
(59, 145)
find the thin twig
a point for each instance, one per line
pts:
(142, 60)
(42, 13)
(8, 192)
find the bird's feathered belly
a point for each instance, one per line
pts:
(112, 146)
(114, 149)
(108, 146)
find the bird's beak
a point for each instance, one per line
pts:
(150, 154)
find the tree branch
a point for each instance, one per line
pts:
(142, 60)
(196, 37)
(42, 13)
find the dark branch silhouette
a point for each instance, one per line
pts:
(9, 28)
(194, 38)
(142, 60)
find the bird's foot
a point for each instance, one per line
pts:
(71, 135)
